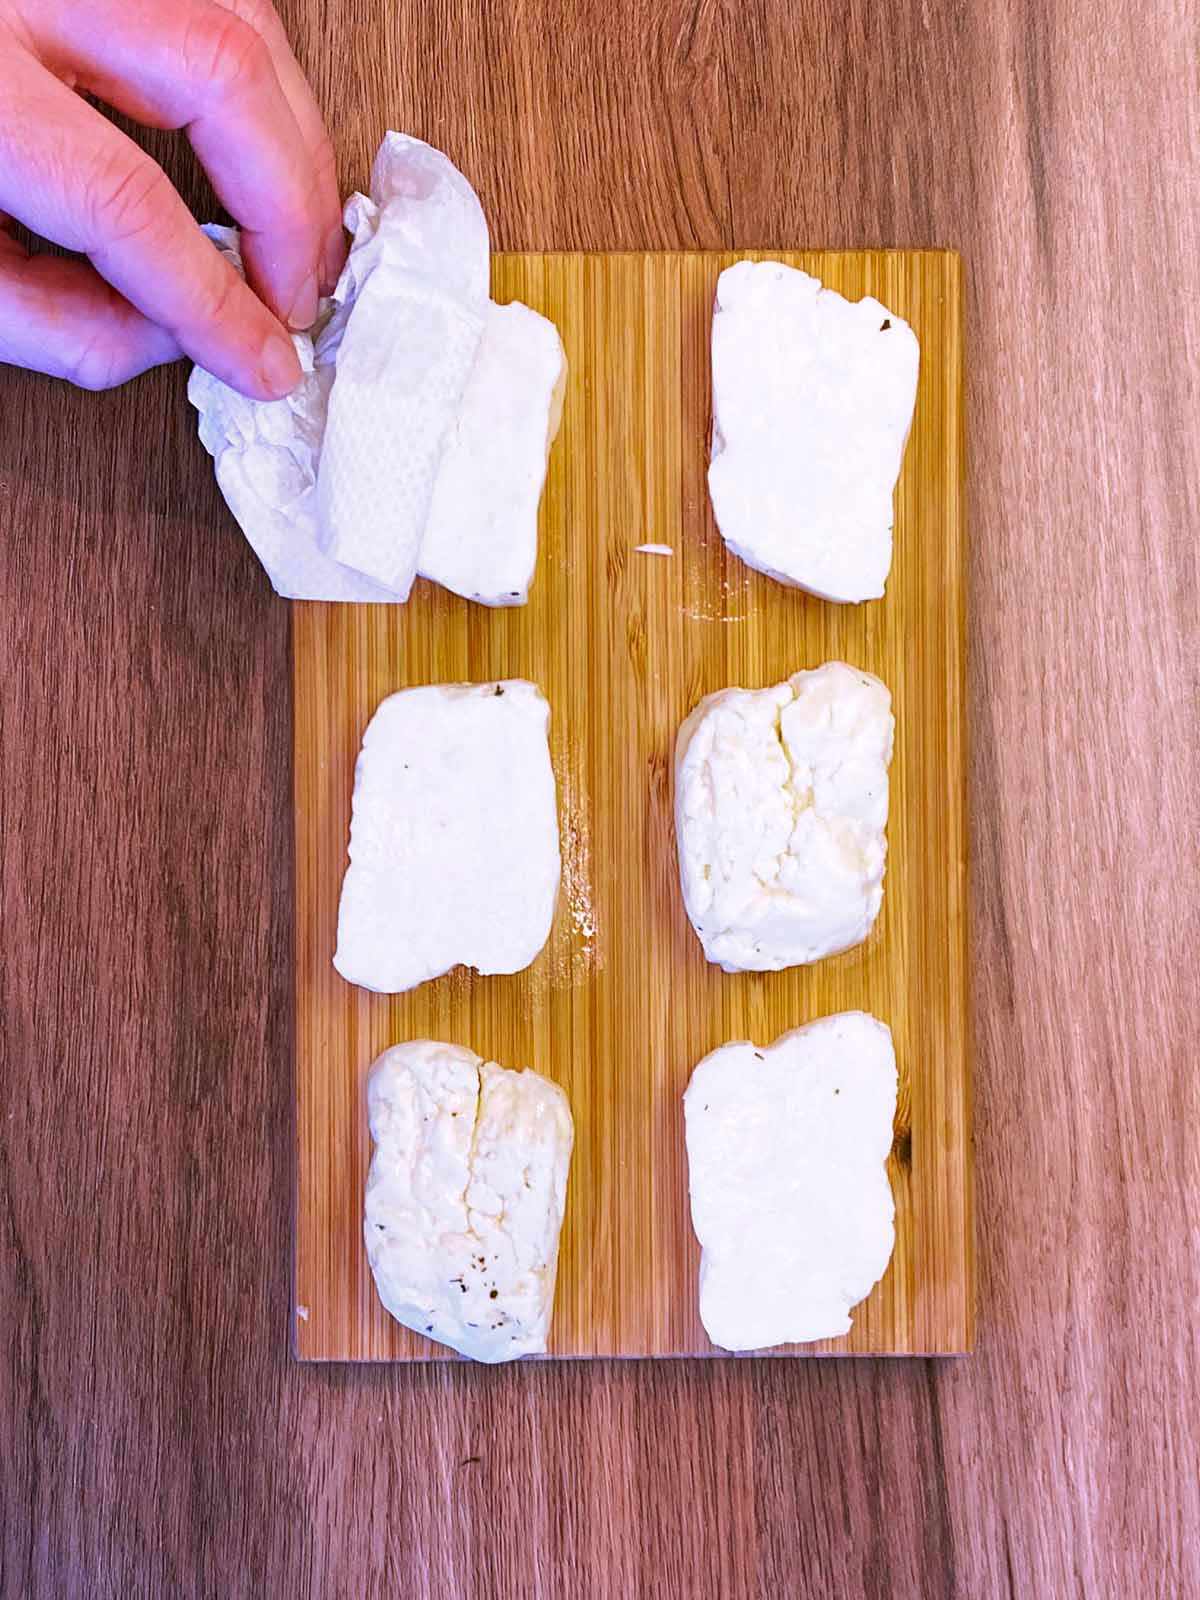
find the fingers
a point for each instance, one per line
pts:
(202, 65)
(318, 151)
(62, 318)
(71, 176)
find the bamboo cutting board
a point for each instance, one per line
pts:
(621, 1003)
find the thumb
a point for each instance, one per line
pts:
(60, 317)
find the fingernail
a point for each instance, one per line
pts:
(304, 307)
(278, 367)
(333, 259)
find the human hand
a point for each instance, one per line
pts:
(156, 288)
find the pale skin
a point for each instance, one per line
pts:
(152, 288)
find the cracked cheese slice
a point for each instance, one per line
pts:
(812, 400)
(465, 1197)
(454, 854)
(781, 801)
(790, 1196)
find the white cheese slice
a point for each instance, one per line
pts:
(790, 1198)
(781, 801)
(465, 1197)
(454, 853)
(812, 400)
(417, 283)
(482, 535)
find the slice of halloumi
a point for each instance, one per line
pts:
(465, 1197)
(781, 802)
(790, 1197)
(813, 397)
(481, 539)
(454, 854)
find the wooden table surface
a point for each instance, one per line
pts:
(155, 1437)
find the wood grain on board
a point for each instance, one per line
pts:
(621, 1003)
(156, 1436)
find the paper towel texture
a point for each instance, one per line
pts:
(417, 283)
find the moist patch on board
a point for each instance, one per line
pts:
(576, 950)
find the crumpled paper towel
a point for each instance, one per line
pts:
(416, 283)
(266, 453)
(370, 456)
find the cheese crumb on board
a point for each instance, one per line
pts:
(465, 1197)
(781, 802)
(481, 539)
(813, 397)
(790, 1197)
(454, 853)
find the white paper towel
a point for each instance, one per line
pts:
(406, 326)
(370, 455)
(266, 454)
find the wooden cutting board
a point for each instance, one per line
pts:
(621, 1003)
